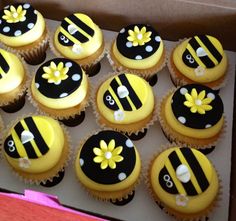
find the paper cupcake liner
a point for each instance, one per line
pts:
(60, 114)
(34, 178)
(174, 136)
(120, 127)
(178, 216)
(182, 81)
(85, 62)
(145, 73)
(128, 191)
(20, 91)
(1, 135)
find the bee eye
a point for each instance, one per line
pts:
(10, 143)
(62, 37)
(66, 40)
(12, 148)
(108, 97)
(111, 102)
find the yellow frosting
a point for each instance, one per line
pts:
(86, 49)
(62, 103)
(53, 136)
(195, 204)
(13, 78)
(139, 64)
(190, 132)
(143, 91)
(210, 74)
(27, 38)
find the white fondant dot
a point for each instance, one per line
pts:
(129, 143)
(182, 119)
(81, 162)
(63, 95)
(23, 19)
(35, 12)
(0, 21)
(129, 44)
(76, 77)
(122, 30)
(30, 25)
(208, 126)
(26, 5)
(211, 95)
(68, 64)
(158, 38)
(37, 85)
(149, 48)
(6, 6)
(183, 90)
(138, 57)
(121, 176)
(6, 29)
(17, 33)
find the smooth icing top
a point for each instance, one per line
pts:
(200, 58)
(107, 161)
(138, 46)
(60, 83)
(20, 24)
(34, 144)
(78, 37)
(190, 195)
(12, 71)
(195, 110)
(125, 98)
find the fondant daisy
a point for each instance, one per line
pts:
(181, 200)
(14, 15)
(24, 162)
(107, 155)
(139, 37)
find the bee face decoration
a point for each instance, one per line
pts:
(4, 66)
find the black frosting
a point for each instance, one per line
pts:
(188, 58)
(143, 51)
(66, 87)
(21, 27)
(3, 65)
(107, 176)
(196, 120)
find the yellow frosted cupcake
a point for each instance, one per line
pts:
(23, 29)
(184, 183)
(13, 77)
(36, 148)
(200, 59)
(108, 165)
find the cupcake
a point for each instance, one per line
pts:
(80, 39)
(126, 103)
(108, 165)
(184, 183)
(36, 148)
(60, 88)
(200, 59)
(138, 49)
(192, 115)
(13, 77)
(23, 29)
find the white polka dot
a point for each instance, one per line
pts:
(17, 33)
(30, 25)
(23, 19)
(158, 38)
(122, 30)
(182, 120)
(121, 176)
(183, 90)
(149, 48)
(35, 12)
(129, 143)
(0, 21)
(81, 162)
(129, 44)
(211, 95)
(26, 5)
(37, 85)
(138, 57)
(63, 95)
(6, 29)
(6, 6)
(68, 64)
(208, 125)
(76, 77)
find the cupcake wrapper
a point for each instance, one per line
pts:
(175, 214)
(1, 136)
(104, 126)
(50, 175)
(183, 140)
(145, 73)
(181, 81)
